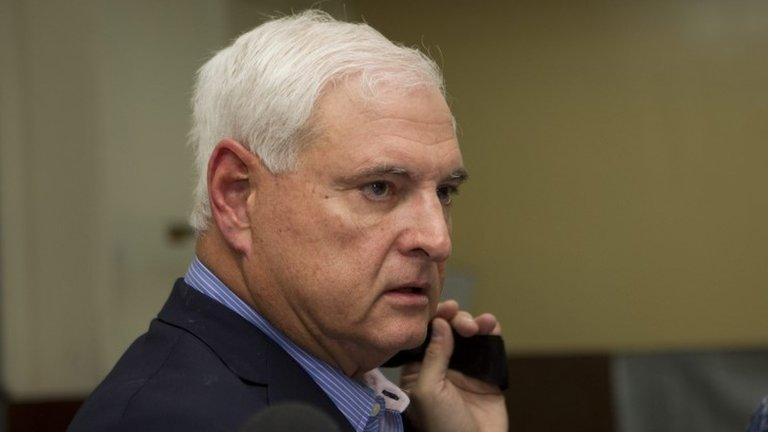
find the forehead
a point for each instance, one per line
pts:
(408, 126)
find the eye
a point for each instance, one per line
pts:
(377, 191)
(446, 192)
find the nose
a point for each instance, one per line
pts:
(427, 230)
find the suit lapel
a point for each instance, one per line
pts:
(290, 383)
(245, 350)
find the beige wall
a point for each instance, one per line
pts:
(47, 212)
(618, 159)
(93, 120)
(94, 114)
(617, 151)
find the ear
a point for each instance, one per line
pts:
(231, 181)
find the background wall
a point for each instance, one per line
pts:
(617, 154)
(616, 150)
(95, 173)
(50, 197)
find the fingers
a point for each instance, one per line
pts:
(433, 368)
(487, 324)
(467, 326)
(496, 330)
(447, 309)
(464, 323)
(435, 363)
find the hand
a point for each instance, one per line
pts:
(446, 400)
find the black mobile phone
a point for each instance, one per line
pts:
(480, 356)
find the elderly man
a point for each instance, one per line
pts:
(327, 161)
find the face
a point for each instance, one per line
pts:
(351, 246)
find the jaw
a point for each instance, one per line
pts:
(399, 332)
(368, 358)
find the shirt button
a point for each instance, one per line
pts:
(375, 409)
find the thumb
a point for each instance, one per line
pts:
(435, 363)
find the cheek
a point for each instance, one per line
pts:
(353, 253)
(325, 246)
(349, 263)
(358, 234)
(328, 246)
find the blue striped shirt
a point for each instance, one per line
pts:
(367, 406)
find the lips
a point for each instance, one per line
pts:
(411, 294)
(412, 287)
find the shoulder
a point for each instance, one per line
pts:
(759, 421)
(169, 380)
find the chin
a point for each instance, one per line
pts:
(388, 342)
(405, 337)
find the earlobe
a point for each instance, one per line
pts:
(230, 184)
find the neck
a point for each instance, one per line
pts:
(230, 268)
(213, 252)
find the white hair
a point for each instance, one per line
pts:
(261, 90)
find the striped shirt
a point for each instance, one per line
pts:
(371, 406)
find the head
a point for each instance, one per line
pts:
(327, 159)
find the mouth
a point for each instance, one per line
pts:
(409, 295)
(410, 290)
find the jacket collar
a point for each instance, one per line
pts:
(244, 349)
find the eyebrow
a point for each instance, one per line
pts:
(458, 175)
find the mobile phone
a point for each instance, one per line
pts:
(481, 356)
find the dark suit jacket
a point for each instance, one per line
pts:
(200, 367)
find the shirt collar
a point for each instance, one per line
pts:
(355, 399)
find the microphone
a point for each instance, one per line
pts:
(290, 416)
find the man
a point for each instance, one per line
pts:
(327, 161)
(759, 421)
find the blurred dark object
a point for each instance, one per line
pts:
(549, 393)
(179, 232)
(41, 416)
